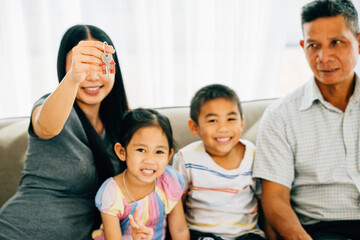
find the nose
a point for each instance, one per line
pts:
(148, 158)
(92, 76)
(223, 127)
(324, 55)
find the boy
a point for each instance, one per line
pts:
(220, 197)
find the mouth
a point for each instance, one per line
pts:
(147, 172)
(328, 70)
(92, 88)
(223, 139)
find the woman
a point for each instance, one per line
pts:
(71, 138)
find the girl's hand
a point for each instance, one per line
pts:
(139, 231)
(84, 58)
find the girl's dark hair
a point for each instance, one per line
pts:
(112, 108)
(210, 92)
(141, 117)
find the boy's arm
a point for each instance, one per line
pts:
(277, 208)
(177, 223)
(111, 227)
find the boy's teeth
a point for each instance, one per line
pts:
(147, 171)
(223, 139)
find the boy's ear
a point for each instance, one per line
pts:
(120, 151)
(193, 127)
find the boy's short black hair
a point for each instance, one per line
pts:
(331, 8)
(208, 93)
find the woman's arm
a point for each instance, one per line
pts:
(177, 223)
(111, 227)
(49, 118)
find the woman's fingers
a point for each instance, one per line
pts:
(85, 64)
(89, 60)
(98, 45)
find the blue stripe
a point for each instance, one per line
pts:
(99, 194)
(204, 168)
(159, 228)
(124, 224)
(207, 204)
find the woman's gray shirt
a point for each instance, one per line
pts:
(55, 199)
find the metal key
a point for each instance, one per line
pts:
(107, 58)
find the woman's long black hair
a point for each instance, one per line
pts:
(112, 108)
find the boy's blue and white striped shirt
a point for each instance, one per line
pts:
(219, 201)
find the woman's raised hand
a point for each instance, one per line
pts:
(86, 57)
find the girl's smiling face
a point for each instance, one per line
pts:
(146, 155)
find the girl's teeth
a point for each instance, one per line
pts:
(147, 171)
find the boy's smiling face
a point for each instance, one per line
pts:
(219, 126)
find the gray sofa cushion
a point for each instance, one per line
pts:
(13, 139)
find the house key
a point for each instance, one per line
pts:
(107, 59)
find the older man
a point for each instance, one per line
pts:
(308, 143)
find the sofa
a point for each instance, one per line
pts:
(14, 137)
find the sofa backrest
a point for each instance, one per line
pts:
(13, 139)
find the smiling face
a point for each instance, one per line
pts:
(94, 88)
(331, 49)
(146, 155)
(219, 126)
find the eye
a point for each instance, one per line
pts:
(160, 152)
(335, 42)
(232, 119)
(140, 150)
(312, 45)
(212, 120)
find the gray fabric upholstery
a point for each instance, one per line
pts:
(13, 139)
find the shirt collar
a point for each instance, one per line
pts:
(312, 93)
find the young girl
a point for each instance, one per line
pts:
(135, 203)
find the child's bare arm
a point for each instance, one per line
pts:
(111, 227)
(177, 223)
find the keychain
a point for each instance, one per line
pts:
(108, 64)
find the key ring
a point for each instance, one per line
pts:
(104, 46)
